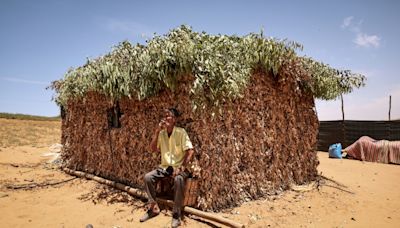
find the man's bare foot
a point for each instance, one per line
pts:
(156, 209)
(153, 206)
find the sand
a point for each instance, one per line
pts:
(363, 195)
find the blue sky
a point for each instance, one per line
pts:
(41, 40)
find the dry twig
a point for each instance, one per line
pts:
(37, 185)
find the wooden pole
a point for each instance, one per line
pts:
(136, 192)
(390, 105)
(141, 194)
(341, 98)
(343, 127)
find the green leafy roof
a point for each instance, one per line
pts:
(221, 66)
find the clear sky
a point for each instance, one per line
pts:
(40, 40)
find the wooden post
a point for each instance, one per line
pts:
(390, 105)
(341, 98)
(390, 108)
(343, 127)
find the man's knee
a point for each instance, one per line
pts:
(178, 179)
(148, 177)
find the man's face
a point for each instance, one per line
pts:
(169, 118)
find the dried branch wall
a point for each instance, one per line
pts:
(264, 142)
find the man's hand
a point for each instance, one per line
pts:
(178, 171)
(162, 125)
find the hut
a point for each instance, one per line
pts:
(247, 104)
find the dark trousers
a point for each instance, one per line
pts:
(151, 179)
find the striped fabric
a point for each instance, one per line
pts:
(369, 149)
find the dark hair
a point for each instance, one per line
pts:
(174, 111)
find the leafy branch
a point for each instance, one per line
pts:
(221, 66)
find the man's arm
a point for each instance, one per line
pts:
(153, 144)
(186, 161)
(188, 157)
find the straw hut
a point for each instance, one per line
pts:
(247, 104)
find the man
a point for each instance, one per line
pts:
(176, 152)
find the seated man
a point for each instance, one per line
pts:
(176, 152)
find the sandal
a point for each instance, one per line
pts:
(148, 215)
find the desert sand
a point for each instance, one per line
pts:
(362, 194)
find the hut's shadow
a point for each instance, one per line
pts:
(109, 195)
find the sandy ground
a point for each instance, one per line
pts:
(363, 195)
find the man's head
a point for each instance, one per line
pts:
(174, 112)
(170, 116)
